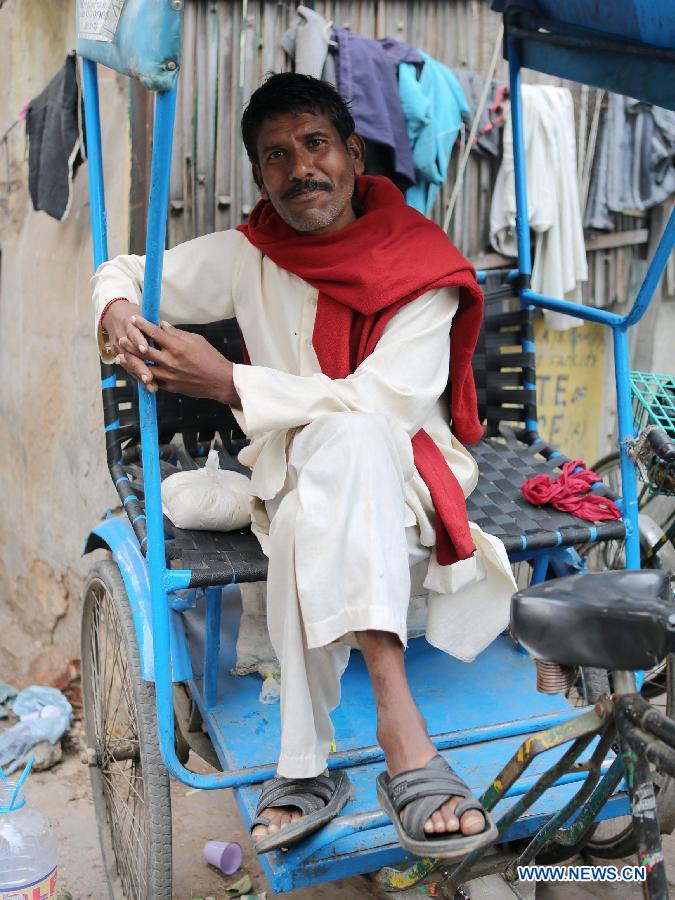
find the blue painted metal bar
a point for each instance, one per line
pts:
(626, 432)
(590, 313)
(519, 163)
(177, 579)
(165, 105)
(539, 568)
(214, 597)
(655, 271)
(92, 114)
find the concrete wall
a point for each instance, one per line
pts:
(53, 480)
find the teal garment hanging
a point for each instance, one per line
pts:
(434, 106)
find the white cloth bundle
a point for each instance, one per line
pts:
(208, 499)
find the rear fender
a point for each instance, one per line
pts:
(117, 535)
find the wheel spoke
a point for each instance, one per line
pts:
(113, 719)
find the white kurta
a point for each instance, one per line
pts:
(222, 275)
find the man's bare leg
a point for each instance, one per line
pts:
(401, 731)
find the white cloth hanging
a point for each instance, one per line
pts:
(552, 198)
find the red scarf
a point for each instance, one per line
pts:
(364, 274)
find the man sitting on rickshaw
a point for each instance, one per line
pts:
(345, 298)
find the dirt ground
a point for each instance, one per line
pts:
(64, 794)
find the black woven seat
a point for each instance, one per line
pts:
(510, 452)
(498, 506)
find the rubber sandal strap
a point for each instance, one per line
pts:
(306, 794)
(420, 792)
(467, 805)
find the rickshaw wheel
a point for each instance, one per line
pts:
(129, 782)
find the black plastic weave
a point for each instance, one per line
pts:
(497, 504)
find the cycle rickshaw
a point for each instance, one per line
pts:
(160, 618)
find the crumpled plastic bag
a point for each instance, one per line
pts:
(48, 724)
(36, 698)
(208, 499)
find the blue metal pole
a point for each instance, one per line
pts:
(656, 269)
(626, 431)
(519, 161)
(214, 604)
(92, 117)
(165, 106)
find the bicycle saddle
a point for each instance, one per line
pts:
(612, 620)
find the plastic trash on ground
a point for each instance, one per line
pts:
(36, 698)
(45, 716)
(223, 855)
(271, 686)
(239, 888)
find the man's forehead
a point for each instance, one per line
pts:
(277, 127)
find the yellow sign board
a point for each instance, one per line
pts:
(570, 389)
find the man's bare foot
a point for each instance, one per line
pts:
(407, 746)
(279, 817)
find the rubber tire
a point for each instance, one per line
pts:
(155, 779)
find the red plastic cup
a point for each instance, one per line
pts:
(223, 856)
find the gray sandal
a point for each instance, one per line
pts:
(420, 792)
(320, 799)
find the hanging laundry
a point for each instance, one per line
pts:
(308, 42)
(552, 198)
(488, 138)
(434, 105)
(55, 141)
(366, 77)
(634, 166)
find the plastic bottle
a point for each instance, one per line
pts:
(28, 861)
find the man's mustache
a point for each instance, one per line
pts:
(308, 185)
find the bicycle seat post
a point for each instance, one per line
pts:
(623, 681)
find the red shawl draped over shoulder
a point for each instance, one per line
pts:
(364, 274)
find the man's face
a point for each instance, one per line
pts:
(306, 172)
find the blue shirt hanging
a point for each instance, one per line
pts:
(434, 106)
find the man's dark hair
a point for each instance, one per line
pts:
(291, 92)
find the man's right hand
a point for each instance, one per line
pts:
(127, 342)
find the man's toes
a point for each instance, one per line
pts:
(439, 823)
(450, 820)
(472, 822)
(259, 832)
(295, 815)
